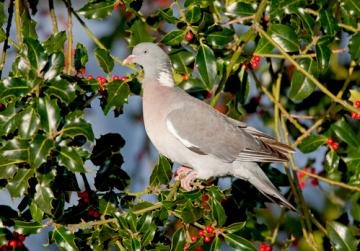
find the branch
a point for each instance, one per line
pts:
(312, 55)
(240, 20)
(304, 72)
(281, 107)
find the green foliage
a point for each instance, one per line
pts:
(46, 142)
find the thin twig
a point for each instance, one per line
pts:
(18, 22)
(240, 20)
(304, 72)
(311, 55)
(70, 38)
(7, 32)
(53, 16)
(300, 116)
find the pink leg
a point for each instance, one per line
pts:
(181, 172)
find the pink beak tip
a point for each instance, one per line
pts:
(129, 59)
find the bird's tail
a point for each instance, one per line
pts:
(251, 172)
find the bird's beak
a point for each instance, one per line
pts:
(129, 60)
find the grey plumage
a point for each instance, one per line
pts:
(192, 133)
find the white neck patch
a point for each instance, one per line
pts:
(166, 79)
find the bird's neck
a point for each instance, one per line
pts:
(162, 74)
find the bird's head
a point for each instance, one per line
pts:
(153, 59)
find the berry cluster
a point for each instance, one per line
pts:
(254, 63)
(302, 177)
(354, 114)
(333, 145)
(16, 241)
(265, 247)
(86, 199)
(207, 236)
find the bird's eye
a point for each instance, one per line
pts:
(145, 51)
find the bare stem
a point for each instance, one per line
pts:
(304, 72)
(240, 20)
(311, 55)
(53, 16)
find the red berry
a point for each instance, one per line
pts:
(15, 234)
(357, 103)
(83, 195)
(302, 184)
(185, 76)
(89, 76)
(358, 116)
(201, 232)
(205, 197)
(189, 36)
(268, 248)
(199, 249)
(123, 78)
(246, 67)
(262, 247)
(266, 18)
(12, 243)
(208, 95)
(312, 170)
(193, 238)
(354, 115)
(314, 182)
(116, 6)
(300, 175)
(3, 248)
(256, 59)
(82, 71)
(330, 141)
(254, 64)
(209, 229)
(207, 239)
(335, 146)
(115, 77)
(19, 243)
(21, 237)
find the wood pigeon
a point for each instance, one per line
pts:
(204, 141)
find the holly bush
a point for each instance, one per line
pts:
(292, 64)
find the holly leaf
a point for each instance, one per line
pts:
(36, 212)
(181, 60)
(40, 149)
(69, 157)
(139, 34)
(105, 60)
(43, 193)
(29, 122)
(193, 14)
(61, 89)
(75, 127)
(354, 47)
(13, 87)
(49, 114)
(161, 173)
(81, 57)
(238, 242)
(341, 237)
(27, 228)
(55, 43)
(285, 36)
(344, 132)
(64, 239)
(97, 10)
(328, 22)
(206, 64)
(301, 87)
(7, 167)
(178, 240)
(118, 93)
(220, 38)
(16, 150)
(173, 37)
(20, 183)
(311, 143)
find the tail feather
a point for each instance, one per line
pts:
(251, 172)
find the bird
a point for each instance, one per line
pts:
(205, 142)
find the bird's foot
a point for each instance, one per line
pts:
(186, 182)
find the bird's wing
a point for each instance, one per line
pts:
(205, 131)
